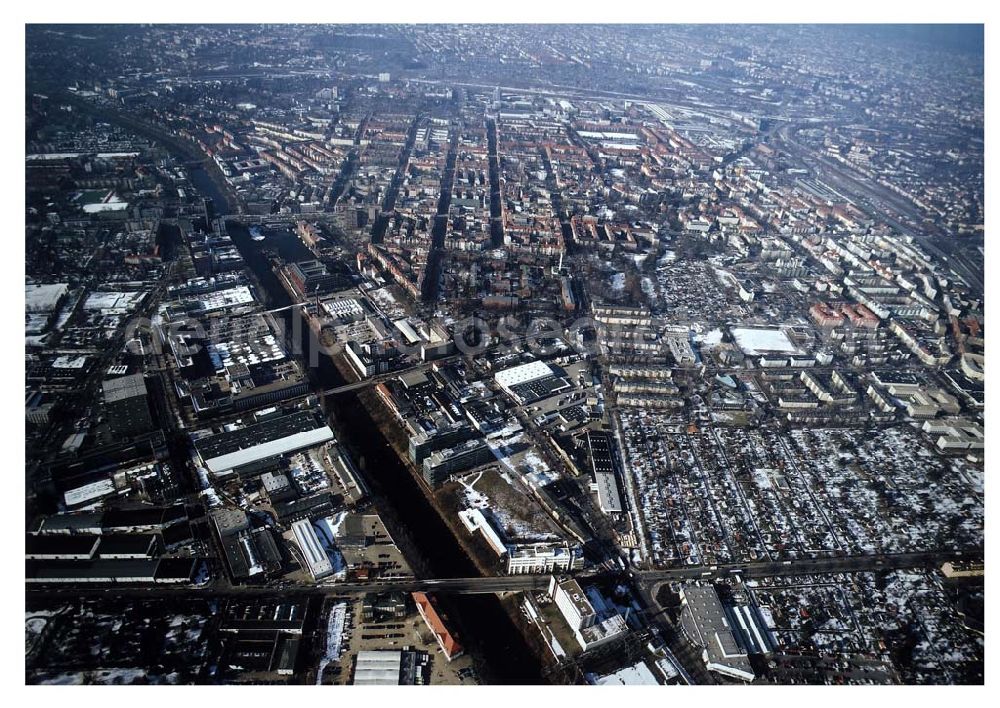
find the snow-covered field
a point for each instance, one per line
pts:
(753, 341)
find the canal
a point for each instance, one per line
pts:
(484, 624)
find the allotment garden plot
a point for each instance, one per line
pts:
(868, 617)
(732, 495)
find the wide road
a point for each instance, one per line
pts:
(520, 583)
(465, 586)
(842, 564)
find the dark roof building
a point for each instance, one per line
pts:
(127, 406)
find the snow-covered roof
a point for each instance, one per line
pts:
(636, 675)
(43, 297)
(754, 341)
(283, 445)
(523, 373)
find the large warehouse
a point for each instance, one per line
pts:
(313, 553)
(530, 382)
(602, 463)
(390, 668)
(225, 452)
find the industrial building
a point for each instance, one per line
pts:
(369, 359)
(60, 547)
(390, 668)
(379, 607)
(146, 519)
(311, 278)
(703, 620)
(156, 570)
(955, 433)
(277, 487)
(248, 552)
(603, 468)
(531, 558)
(444, 463)
(474, 520)
(572, 603)
(530, 382)
(315, 556)
(82, 547)
(127, 405)
(538, 558)
(313, 506)
(425, 442)
(237, 362)
(224, 453)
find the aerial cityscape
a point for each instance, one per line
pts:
(503, 355)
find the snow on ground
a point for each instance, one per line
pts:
(326, 530)
(473, 497)
(63, 680)
(557, 648)
(853, 614)
(540, 474)
(725, 278)
(754, 341)
(514, 529)
(618, 282)
(476, 499)
(331, 524)
(334, 638)
(123, 676)
(34, 625)
(308, 472)
(203, 480)
(386, 302)
(767, 616)
(211, 498)
(184, 630)
(203, 575)
(667, 258)
(711, 338)
(529, 465)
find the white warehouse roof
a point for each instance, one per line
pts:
(378, 668)
(524, 373)
(290, 443)
(312, 550)
(43, 298)
(607, 492)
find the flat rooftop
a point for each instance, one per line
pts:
(753, 340)
(523, 373)
(256, 434)
(378, 668)
(124, 387)
(604, 471)
(704, 620)
(577, 597)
